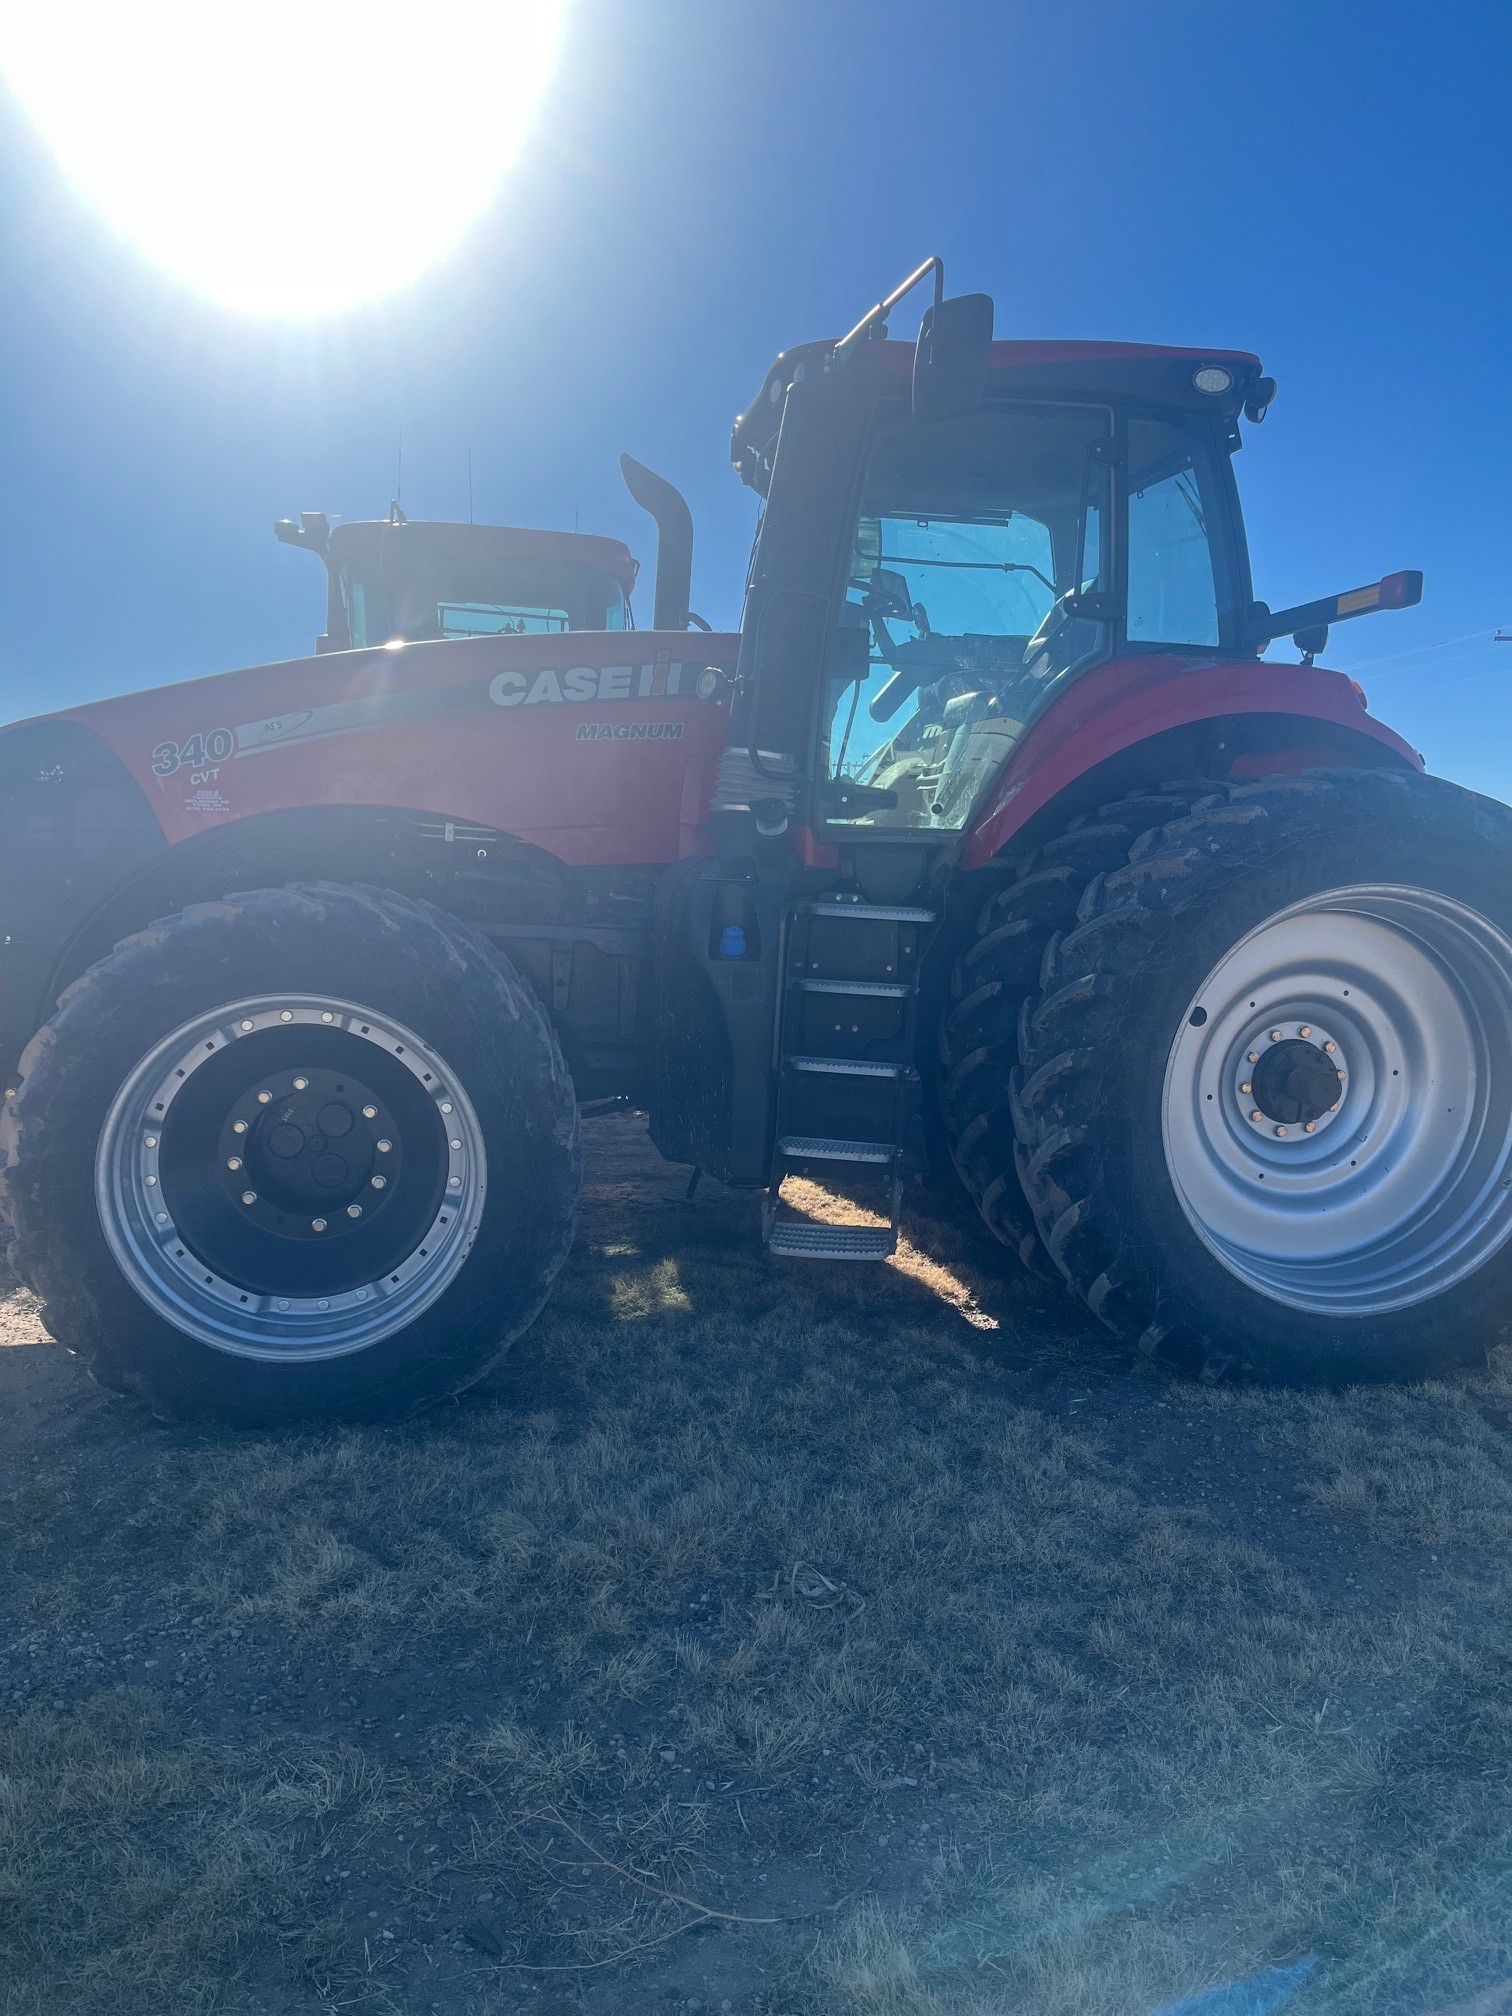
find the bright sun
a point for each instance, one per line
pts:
(284, 159)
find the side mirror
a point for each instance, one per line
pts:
(313, 532)
(951, 357)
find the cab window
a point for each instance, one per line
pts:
(1173, 595)
(955, 628)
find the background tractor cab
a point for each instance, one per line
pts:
(396, 577)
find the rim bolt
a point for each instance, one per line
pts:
(454, 1183)
(151, 1141)
(248, 1025)
(283, 1305)
(446, 1106)
(384, 1147)
(323, 1304)
(287, 1015)
(150, 1180)
(354, 1210)
(264, 1098)
(317, 1224)
(1276, 1035)
(1335, 1107)
(370, 1112)
(1311, 1127)
(1280, 1130)
(239, 1127)
(327, 1016)
(456, 1145)
(162, 1217)
(233, 1161)
(249, 1196)
(301, 1084)
(380, 1182)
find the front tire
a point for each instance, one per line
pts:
(304, 1152)
(1266, 1107)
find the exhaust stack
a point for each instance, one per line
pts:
(674, 541)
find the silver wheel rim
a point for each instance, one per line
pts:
(1402, 1185)
(202, 1297)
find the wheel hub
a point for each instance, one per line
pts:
(308, 1144)
(1289, 1076)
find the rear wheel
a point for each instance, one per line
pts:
(1266, 1110)
(306, 1151)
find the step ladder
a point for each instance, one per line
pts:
(848, 1091)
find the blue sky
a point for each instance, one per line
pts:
(710, 180)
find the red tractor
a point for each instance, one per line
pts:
(990, 837)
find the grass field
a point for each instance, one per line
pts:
(764, 1637)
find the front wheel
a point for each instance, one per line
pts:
(1266, 1109)
(307, 1151)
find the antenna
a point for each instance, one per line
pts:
(469, 487)
(399, 474)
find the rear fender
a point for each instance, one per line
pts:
(1142, 720)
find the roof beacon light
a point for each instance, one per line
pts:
(1213, 379)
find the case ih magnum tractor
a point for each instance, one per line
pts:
(989, 834)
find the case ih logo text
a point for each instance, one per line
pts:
(585, 682)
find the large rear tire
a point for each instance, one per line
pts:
(1266, 1109)
(304, 1152)
(993, 977)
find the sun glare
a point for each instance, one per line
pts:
(284, 160)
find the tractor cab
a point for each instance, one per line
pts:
(418, 580)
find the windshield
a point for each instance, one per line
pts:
(954, 630)
(428, 588)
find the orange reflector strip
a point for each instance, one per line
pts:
(1359, 598)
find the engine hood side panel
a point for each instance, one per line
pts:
(592, 745)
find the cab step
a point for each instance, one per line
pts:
(844, 1067)
(875, 990)
(816, 1148)
(833, 1242)
(872, 913)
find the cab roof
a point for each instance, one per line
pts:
(1146, 373)
(583, 549)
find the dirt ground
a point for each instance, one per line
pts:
(764, 1637)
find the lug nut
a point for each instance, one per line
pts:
(354, 1210)
(1254, 1057)
(1280, 1130)
(1304, 1030)
(249, 1196)
(239, 1127)
(1257, 1114)
(1276, 1035)
(1310, 1127)
(380, 1182)
(264, 1098)
(233, 1161)
(1245, 1089)
(1335, 1107)
(1330, 1046)
(370, 1112)
(317, 1224)
(301, 1084)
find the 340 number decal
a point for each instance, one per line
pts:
(216, 747)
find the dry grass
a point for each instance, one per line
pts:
(885, 1604)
